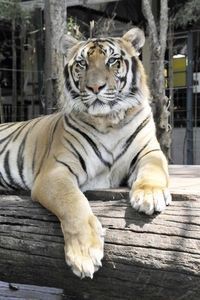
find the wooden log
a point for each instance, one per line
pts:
(146, 257)
(12, 291)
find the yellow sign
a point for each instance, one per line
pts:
(179, 71)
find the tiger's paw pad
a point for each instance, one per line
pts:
(150, 200)
(84, 251)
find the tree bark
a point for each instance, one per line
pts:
(39, 43)
(2, 120)
(158, 39)
(22, 74)
(14, 72)
(55, 24)
(146, 257)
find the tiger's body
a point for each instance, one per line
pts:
(98, 156)
(103, 137)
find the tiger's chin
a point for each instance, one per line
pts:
(99, 108)
(104, 111)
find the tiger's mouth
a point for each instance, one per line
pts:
(99, 107)
(98, 102)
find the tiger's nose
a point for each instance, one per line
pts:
(96, 88)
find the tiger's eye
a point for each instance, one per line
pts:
(112, 60)
(82, 63)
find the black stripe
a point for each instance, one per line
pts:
(124, 181)
(92, 126)
(136, 160)
(107, 40)
(127, 65)
(5, 184)
(66, 165)
(123, 53)
(67, 82)
(133, 164)
(52, 135)
(82, 121)
(10, 135)
(35, 149)
(40, 167)
(21, 129)
(132, 137)
(111, 50)
(5, 146)
(71, 72)
(34, 156)
(112, 103)
(6, 127)
(75, 139)
(20, 159)
(148, 153)
(82, 162)
(138, 129)
(7, 167)
(90, 141)
(20, 155)
(79, 122)
(133, 69)
(123, 79)
(12, 183)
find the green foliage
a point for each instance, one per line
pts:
(73, 29)
(188, 14)
(11, 9)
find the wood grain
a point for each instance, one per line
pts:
(155, 257)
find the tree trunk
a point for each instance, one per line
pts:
(2, 120)
(55, 24)
(171, 73)
(22, 74)
(146, 257)
(39, 37)
(157, 39)
(14, 74)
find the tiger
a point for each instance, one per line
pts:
(103, 136)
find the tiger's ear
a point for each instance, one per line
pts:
(67, 42)
(136, 37)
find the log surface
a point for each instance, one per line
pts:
(156, 257)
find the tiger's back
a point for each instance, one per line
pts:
(23, 148)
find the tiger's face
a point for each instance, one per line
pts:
(103, 76)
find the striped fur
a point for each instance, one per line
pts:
(103, 137)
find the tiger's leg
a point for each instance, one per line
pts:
(58, 191)
(149, 191)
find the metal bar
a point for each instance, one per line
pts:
(189, 106)
(185, 32)
(40, 54)
(171, 74)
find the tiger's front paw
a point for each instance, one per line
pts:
(84, 250)
(149, 200)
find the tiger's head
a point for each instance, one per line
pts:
(104, 76)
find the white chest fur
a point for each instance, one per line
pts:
(115, 149)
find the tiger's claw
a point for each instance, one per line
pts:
(84, 250)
